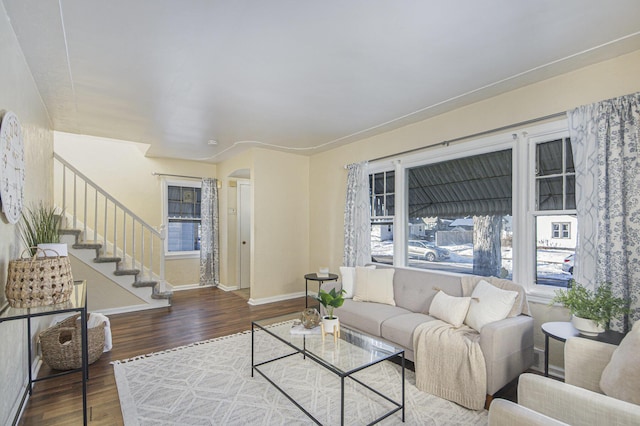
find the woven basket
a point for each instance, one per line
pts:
(38, 281)
(62, 344)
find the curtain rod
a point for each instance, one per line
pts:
(474, 135)
(180, 176)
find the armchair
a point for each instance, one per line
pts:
(579, 401)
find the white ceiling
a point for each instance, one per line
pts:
(292, 74)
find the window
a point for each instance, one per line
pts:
(464, 207)
(502, 206)
(183, 217)
(554, 210)
(382, 193)
(560, 230)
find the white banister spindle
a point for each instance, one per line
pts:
(106, 219)
(133, 242)
(95, 218)
(115, 230)
(75, 203)
(64, 189)
(124, 236)
(163, 234)
(84, 218)
(151, 257)
(142, 250)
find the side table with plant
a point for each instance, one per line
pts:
(592, 310)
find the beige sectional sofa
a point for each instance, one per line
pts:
(507, 345)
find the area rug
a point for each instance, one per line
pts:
(210, 383)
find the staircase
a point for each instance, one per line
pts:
(118, 244)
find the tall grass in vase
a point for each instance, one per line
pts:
(40, 225)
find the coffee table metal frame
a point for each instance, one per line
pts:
(346, 334)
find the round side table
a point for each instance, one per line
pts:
(320, 279)
(563, 330)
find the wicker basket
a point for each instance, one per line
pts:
(38, 281)
(62, 344)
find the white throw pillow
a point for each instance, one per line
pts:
(488, 304)
(621, 377)
(348, 274)
(374, 285)
(449, 308)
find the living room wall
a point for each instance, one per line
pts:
(279, 221)
(19, 94)
(121, 168)
(603, 80)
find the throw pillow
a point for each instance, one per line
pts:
(621, 377)
(348, 274)
(374, 285)
(450, 309)
(488, 304)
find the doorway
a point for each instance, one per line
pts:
(244, 234)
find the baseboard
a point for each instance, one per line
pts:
(130, 308)
(35, 369)
(538, 360)
(538, 364)
(273, 299)
(189, 287)
(228, 288)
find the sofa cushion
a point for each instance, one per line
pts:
(621, 377)
(374, 285)
(348, 274)
(488, 304)
(520, 306)
(450, 309)
(366, 316)
(399, 329)
(414, 289)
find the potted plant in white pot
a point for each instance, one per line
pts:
(40, 228)
(331, 300)
(591, 310)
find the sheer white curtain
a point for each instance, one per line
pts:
(605, 142)
(209, 255)
(357, 216)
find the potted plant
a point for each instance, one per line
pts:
(330, 301)
(40, 228)
(591, 310)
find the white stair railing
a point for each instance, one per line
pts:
(104, 220)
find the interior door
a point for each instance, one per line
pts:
(244, 216)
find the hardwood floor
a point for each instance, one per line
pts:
(195, 315)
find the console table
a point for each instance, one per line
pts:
(562, 330)
(77, 303)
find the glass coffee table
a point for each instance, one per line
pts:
(357, 351)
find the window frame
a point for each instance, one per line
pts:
(540, 134)
(187, 254)
(522, 143)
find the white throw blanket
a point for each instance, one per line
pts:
(450, 364)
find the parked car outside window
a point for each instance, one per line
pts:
(567, 266)
(427, 250)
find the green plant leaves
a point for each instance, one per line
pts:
(40, 224)
(331, 300)
(599, 306)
